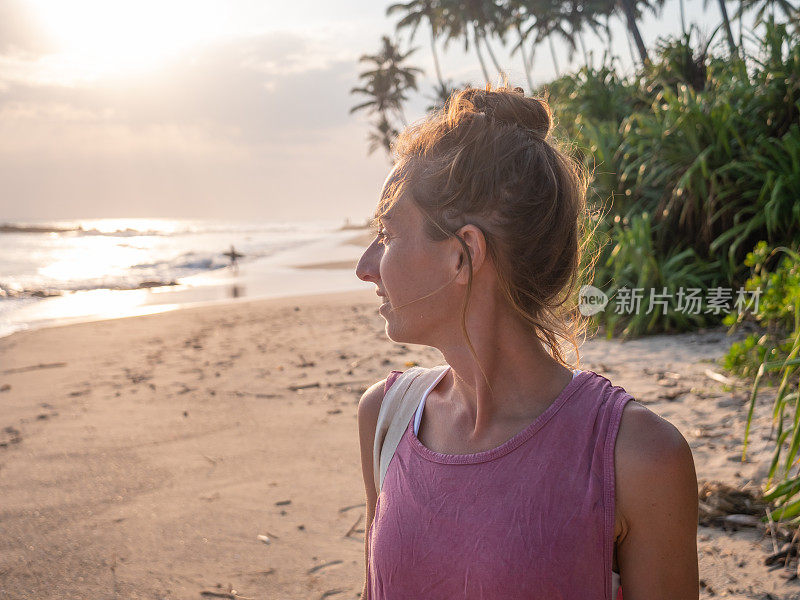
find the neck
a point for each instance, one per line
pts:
(523, 378)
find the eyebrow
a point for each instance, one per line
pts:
(379, 219)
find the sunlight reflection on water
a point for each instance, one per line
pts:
(110, 253)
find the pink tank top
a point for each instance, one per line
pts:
(531, 518)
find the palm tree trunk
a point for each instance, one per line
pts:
(610, 39)
(630, 17)
(634, 60)
(553, 54)
(402, 116)
(436, 58)
(741, 32)
(525, 64)
(731, 43)
(491, 53)
(683, 18)
(478, 52)
(583, 48)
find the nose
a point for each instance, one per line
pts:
(368, 267)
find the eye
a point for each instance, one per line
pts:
(381, 234)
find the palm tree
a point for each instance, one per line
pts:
(581, 14)
(726, 24)
(382, 136)
(726, 21)
(549, 22)
(553, 55)
(460, 18)
(386, 85)
(441, 94)
(485, 39)
(609, 51)
(628, 38)
(494, 18)
(790, 11)
(383, 98)
(516, 18)
(547, 18)
(388, 82)
(629, 10)
(415, 12)
(583, 47)
(683, 18)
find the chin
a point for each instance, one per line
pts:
(404, 335)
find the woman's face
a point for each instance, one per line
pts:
(406, 266)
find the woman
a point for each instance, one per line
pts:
(518, 477)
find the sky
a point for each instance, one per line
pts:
(230, 109)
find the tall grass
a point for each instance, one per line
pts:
(777, 353)
(708, 149)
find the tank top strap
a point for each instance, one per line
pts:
(620, 399)
(390, 380)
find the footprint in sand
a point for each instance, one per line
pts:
(9, 436)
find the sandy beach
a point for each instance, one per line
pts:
(215, 449)
(186, 189)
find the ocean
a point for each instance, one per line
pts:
(55, 272)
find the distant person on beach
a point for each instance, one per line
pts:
(234, 256)
(506, 472)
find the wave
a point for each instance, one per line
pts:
(171, 228)
(144, 275)
(13, 293)
(11, 228)
(186, 264)
(81, 231)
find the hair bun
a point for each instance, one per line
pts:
(508, 106)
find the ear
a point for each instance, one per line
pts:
(475, 243)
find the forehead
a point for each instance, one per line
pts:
(393, 205)
(394, 215)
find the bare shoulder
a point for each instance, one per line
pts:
(368, 408)
(656, 500)
(645, 440)
(650, 452)
(370, 405)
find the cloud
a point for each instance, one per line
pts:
(20, 33)
(257, 90)
(263, 89)
(251, 126)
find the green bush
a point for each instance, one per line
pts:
(776, 273)
(772, 356)
(708, 150)
(630, 262)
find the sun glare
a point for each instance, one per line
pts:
(100, 37)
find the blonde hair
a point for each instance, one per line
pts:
(488, 157)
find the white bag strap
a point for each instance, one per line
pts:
(399, 404)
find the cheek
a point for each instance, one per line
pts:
(396, 266)
(406, 270)
(386, 264)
